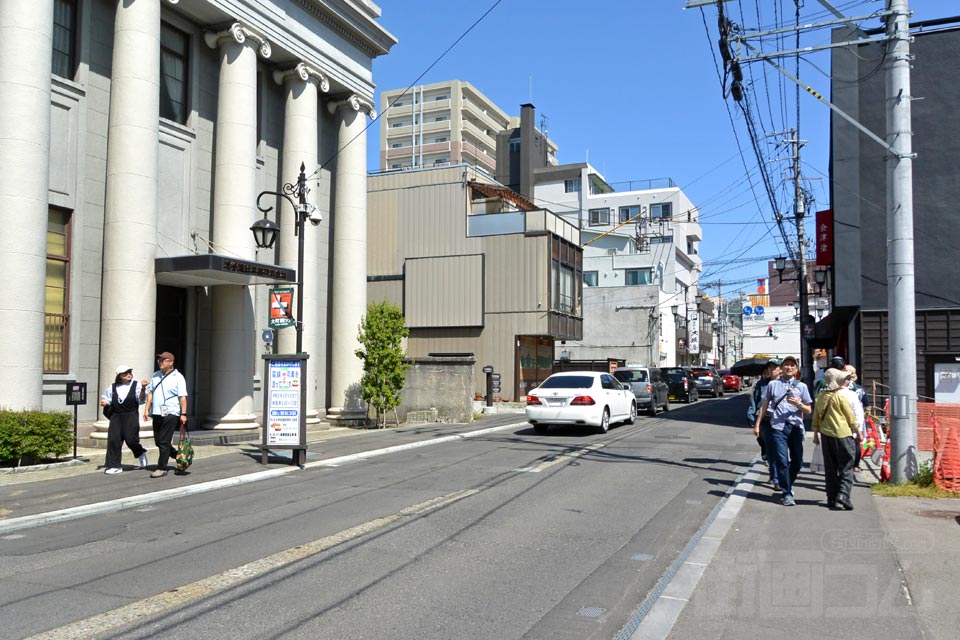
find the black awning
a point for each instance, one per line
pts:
(210, 269)
(831, 328)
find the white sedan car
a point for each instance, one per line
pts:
(580, 397)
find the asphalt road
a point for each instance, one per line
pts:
(506, 535)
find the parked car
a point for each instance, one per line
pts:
(731, 381)
(648, 385)
(708, 380)
(681, 384)
(580, 397)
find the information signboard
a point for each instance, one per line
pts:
(284, 402)
(283, 406)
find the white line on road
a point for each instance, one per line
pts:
(139, 611)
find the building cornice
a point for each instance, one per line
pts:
(351, 23)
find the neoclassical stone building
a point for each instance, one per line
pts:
(135, 137)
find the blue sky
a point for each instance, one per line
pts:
(632, 87)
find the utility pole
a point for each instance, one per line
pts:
(901, 312)
(799, 212)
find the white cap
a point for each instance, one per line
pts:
(122, 369)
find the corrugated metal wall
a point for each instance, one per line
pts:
(445, 291)
(938, 333)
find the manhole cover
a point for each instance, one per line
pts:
(672, 437)
(591, 612)
(933, 513)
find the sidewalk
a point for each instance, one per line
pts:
(880, 571)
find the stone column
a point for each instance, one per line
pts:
(300, 145)
(349, 296)
(26, 45)
(128, 302)
(233, 330)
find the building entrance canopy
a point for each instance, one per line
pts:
(211, 269)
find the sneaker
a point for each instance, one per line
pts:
(159, 473)
(776, 486)
(788, 501)
(113, 471)
(143, 460)
(844, 502)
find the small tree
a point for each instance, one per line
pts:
(382, 332)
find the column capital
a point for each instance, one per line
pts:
(354, 102)
(239, 34)
(305, 72)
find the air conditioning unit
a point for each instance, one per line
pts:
(612, 251)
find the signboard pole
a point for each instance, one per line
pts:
(76, 393)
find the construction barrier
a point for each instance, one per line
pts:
(946, 451)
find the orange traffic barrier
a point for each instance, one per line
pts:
(946, 456)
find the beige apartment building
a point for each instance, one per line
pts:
(440, 124)
(477, 269)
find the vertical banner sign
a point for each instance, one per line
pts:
(281, 308)
(693, 329)
(283, 404)
(825, 237)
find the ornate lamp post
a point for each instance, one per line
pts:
(265, 232)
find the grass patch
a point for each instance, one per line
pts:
(910, 490)
(922, 486)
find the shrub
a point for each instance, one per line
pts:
(924, 477)
(31, 436)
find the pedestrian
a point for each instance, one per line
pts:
(836, 362)
(835, 429)
(124, 398)
(764, 438)
(787, 400)
(166, 404)
(859, 402)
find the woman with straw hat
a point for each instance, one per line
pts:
(836, 430)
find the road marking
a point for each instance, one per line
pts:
(661, 609)
(140, 611)
(109, 506)
(566, 456)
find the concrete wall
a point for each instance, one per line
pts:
(444, 384)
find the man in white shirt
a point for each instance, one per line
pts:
(167, 405)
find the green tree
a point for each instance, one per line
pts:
(382, 332)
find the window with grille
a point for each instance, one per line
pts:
(56, 301)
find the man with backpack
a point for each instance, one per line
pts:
(787, 400)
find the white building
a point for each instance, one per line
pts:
(135, 136)
(640, 260)
(776, 333)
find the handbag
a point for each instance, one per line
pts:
(816, 462)
(184, 453)
(108, 410)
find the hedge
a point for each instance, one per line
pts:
(31, 436)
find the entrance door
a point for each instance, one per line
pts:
(534, 362)
(172, 322)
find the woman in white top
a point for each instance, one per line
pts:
(122, 402)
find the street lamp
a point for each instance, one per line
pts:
(806, 320)
(820, 277)
(265, 232)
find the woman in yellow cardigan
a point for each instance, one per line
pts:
(835, 430)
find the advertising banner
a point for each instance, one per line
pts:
(281, 308)
(825, 237)
(284, 386)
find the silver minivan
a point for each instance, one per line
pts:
(648, 385)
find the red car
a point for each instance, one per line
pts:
(731, 381)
